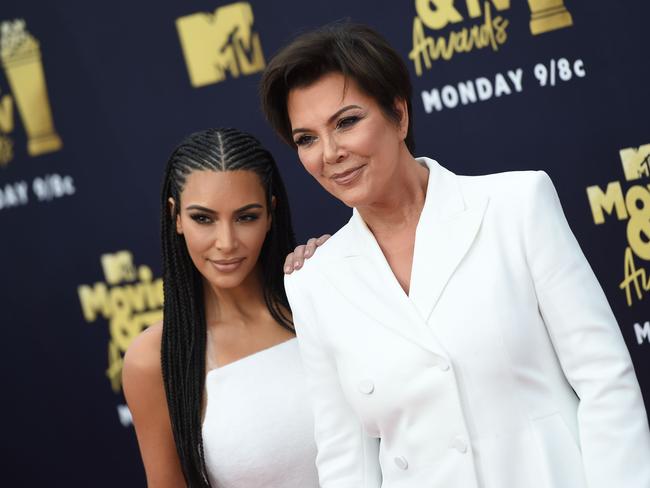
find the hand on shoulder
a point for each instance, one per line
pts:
(295, 260)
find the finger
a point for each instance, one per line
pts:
(322, 239)
(288, 263)
(298, 257)
(310, 247)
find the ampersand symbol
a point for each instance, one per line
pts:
(638, 227)
(439, 17)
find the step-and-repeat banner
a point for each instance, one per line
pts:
(93, 96)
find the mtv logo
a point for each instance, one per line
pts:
(636, 162)
(118, 267)
(214, 44)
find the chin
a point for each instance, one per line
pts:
(357, 196)
(224, 280)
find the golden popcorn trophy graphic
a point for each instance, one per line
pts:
(636, 162)
(6, 149)
(215, 43)
(548, 15)
(20, 55)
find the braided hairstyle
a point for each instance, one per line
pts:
(184, 329)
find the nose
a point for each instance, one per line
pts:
(226, 238)
(332, 151)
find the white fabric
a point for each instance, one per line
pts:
(504, 367)
(258, 430)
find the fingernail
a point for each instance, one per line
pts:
(287, 269)
(296, 265)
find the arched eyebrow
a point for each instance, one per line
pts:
(250, 206)
(200, 208)
(330, 120)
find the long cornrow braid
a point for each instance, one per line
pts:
(184, 328)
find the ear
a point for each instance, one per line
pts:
(403, 125)
(172, 211)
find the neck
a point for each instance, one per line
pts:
(401, 204)
(242, 304)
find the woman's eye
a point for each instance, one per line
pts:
(304, 140)
(201, 219)
(346, 122)
(248, 218)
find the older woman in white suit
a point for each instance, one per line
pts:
(453, 334)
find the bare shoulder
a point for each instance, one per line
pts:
(145, 394)
(142, 359)
(142, 379)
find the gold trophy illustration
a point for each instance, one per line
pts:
(548, 15)
(6, 150)
(20, 54)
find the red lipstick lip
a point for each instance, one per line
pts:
(342, 176)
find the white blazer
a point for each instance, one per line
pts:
(504, 367)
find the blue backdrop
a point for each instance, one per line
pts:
(93, 96)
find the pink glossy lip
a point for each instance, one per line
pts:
(227, 265)
(346, 177)
(227, 261)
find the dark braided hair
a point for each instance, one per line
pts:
(184, 329)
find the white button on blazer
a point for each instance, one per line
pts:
(504, 367)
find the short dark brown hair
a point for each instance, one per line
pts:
(354, 50)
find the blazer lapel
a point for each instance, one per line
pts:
(445, 232)
(364, 277)
(447, 228)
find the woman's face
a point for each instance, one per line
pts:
(345, 140)
(224, 219)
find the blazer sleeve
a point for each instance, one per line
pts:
(612, 420)
(347, 457)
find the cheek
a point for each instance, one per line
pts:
(378, 141)
(197, 240)
(363, 143)
(310, 162)
(253, 236)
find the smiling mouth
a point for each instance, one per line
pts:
(227, 265)
(347, 177)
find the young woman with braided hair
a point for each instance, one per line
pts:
(216, 390)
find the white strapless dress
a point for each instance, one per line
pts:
(258, 429)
